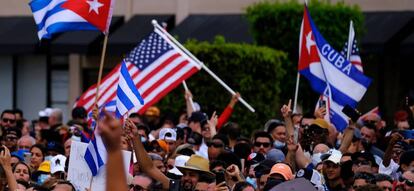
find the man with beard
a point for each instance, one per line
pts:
(195, 168)
(369, 140)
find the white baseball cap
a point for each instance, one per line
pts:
(168, 134)
(179, 161)
(57, 164)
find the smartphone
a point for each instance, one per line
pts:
(322, 103)
(174, 185)
(351, 113)
(220, 177)
(407, 134)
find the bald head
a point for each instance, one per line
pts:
(321, 148)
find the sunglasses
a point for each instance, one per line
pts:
(170, 167)
(258, 144)
(11, 138)
(407, 182)
(5, 120)
(215, 145)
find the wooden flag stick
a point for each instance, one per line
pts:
(101, 68)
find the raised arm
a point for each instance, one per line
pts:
(110, 129)
(145, 163)
(188, 102)
(287, 116)
(388, 152)
(347, 138)
(225, 115)
(5, 163)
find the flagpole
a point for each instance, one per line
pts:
(101, 67)
(295, 101)
(190, 98)
(188, 53)
(350, 38)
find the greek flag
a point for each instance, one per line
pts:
(127, 95)
(52, 17)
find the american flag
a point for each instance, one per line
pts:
(354, 57)
(156, 66)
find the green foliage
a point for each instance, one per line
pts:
(254, 71)
(277, 25)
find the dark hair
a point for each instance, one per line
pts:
(18, 111)
(240, 186)
(407, 157)
(22, 163)
(6, 111)
(223, 138)
(186, 151)
(42, 149)
(230, 158)
(79, 113)
(231, 129)
(368, 177)
(370, 126)
(141, 126)
(216, 163)
(368, 187)
(262, 134)
(383, 177)
(242, 150)
(180, 133)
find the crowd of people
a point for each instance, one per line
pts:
(195, 152)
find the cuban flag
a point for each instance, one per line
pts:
(55, 16)
(329, 73)
(127, 95)
(95, 154)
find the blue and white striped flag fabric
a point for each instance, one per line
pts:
(51, 17)
(327, 69)
(95, 154)
(127, 95)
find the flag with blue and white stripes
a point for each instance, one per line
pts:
(95, 154)
(127, 95)
(329, 73)
(55, 16)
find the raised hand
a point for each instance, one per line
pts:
(320, 112)
(5, 158)
(111, 131)
(234, 99)
(287, 109)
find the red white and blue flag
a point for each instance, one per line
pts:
(326, 69)
(354, 57)
(156, 67)
(55, 16)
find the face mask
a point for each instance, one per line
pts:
(48, 158)
(316, 158)
(42, 178)
(143, 139)
(278, 145)
(252, 181)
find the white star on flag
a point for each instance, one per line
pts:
(94, 5)
(309, 41)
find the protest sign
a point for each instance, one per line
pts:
(80, 175)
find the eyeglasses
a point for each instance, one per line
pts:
(258, 144)
(5, 120)
(215, 144)
(407, 182)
